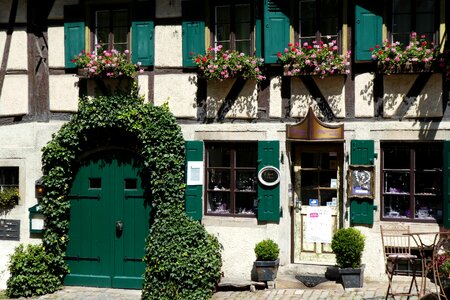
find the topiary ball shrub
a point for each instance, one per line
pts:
(183, 261)
(348, 245)
(30, 274)
(267, 250)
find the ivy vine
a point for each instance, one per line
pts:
(157, 137)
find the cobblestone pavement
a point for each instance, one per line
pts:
(370, 291)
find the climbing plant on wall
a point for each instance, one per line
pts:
(157, 138)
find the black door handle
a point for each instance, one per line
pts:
(119, 227)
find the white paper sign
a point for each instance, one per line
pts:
(195, 173)
(318, 224)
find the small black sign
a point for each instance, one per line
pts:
(269, 176)
(9, 230)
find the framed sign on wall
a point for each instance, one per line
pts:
(361, 181)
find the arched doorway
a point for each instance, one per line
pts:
(109, 221)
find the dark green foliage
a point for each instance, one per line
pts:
(124, 121)
(31, 272)
(183, 260)
(348, 245)
(8, 197)
(267, 250)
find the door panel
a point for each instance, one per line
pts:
(318, 188)
(105, 191)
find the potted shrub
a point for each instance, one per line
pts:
(348, 245)
(267, 261)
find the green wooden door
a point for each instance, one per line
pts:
(109, 221)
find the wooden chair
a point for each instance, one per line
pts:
(397, 249)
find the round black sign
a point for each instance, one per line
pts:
(269, 176)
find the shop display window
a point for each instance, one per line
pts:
(232, 184)
(411, 178)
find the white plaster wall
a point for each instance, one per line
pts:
(168, 8)
(142, 81)
(5, 9)
(427, 104)
(179, 90)
(18, 58)
(275, 97)
(245, 106)
(63, 93)
(168, 46)
(21, 146)
(56, 46)
(14, 96)
(332, 89)
(364, 95)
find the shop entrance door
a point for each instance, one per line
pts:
(318, 194)
(109, 222)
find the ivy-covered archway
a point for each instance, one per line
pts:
(182, 260)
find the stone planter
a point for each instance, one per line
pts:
(352, 278)
(267, 270)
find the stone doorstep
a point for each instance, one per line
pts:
(229, 284)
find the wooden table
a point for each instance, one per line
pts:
(436, 242)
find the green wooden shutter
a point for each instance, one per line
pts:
(446, 184)
(142, 30)
(193, 27)
(276, 28)
(362, 152)
(74, 36)
(258, 29)
(361, 211)
(194, 193)
(268, 196)
(368, 29)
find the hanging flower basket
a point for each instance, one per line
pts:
(220, 64)
(393, 58)
(320, 58)
(106, 64)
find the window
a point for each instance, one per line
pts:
(317, 19)
(111, 28)
(411, 179)
(233, 26)
(414, 15)
(9, 177)
(231, 175)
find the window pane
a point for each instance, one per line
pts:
(425, 23)
(218, 202)
(309, 179)
(246, 203)
(246, 181)
(222, 33)
(223, 14)
(307, 195)
(120, 34)
(243, 31)
(401, 24)
(429, 157)
(310, 160)
(243, 13)
(328, 196)
(243, 46)
(428, 208)
(425, 5)
(120, 18)
(429, 183)
(396, 182)
(246, 155)
(102, 19)
(397, 206)
(401, 6)
(328, 17)
(396, 157)
(218, 156)
(9, 176)
(219, 180)
(307, 18)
